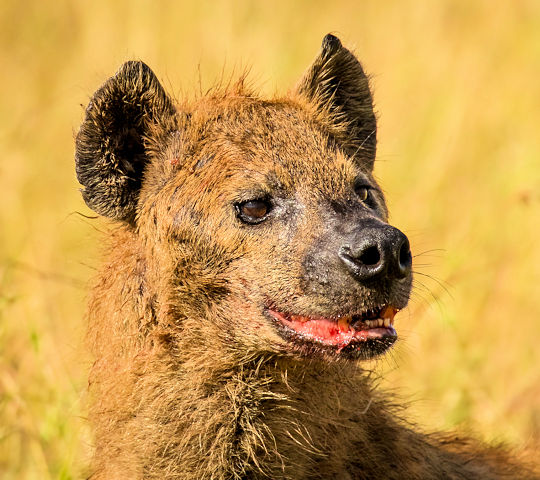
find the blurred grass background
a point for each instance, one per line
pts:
(457, 85)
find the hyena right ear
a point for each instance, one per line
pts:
(339, 88)
(111, 151)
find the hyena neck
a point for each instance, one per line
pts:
(272, 418)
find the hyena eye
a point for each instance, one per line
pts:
(362, 192)
(253, 211)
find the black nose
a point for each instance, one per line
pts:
(377, 251)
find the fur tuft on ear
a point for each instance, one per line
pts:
(338, 86)
(110, 154)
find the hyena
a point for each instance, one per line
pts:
(250, 272)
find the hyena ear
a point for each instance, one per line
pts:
(338, 86)
(111, 151)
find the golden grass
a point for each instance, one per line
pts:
(457, 86)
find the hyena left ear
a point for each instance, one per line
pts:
(111, 146)
(338, 86)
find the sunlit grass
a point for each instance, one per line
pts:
(456, 86)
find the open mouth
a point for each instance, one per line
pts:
(360, 335)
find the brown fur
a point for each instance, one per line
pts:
(190, 381)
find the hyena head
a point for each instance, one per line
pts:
(262, 216)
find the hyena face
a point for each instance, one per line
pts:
(272, 223)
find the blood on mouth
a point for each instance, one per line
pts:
(342, 330)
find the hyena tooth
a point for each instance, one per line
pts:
(344, 322)
(386, 322)
(388, 312)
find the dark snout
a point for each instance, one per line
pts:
(375, 251)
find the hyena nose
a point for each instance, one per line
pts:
(376, 252)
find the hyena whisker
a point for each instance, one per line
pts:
(427, 252)
(419, 289)
(441, 283)
(418, 298)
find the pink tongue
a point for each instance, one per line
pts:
(329, 332)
